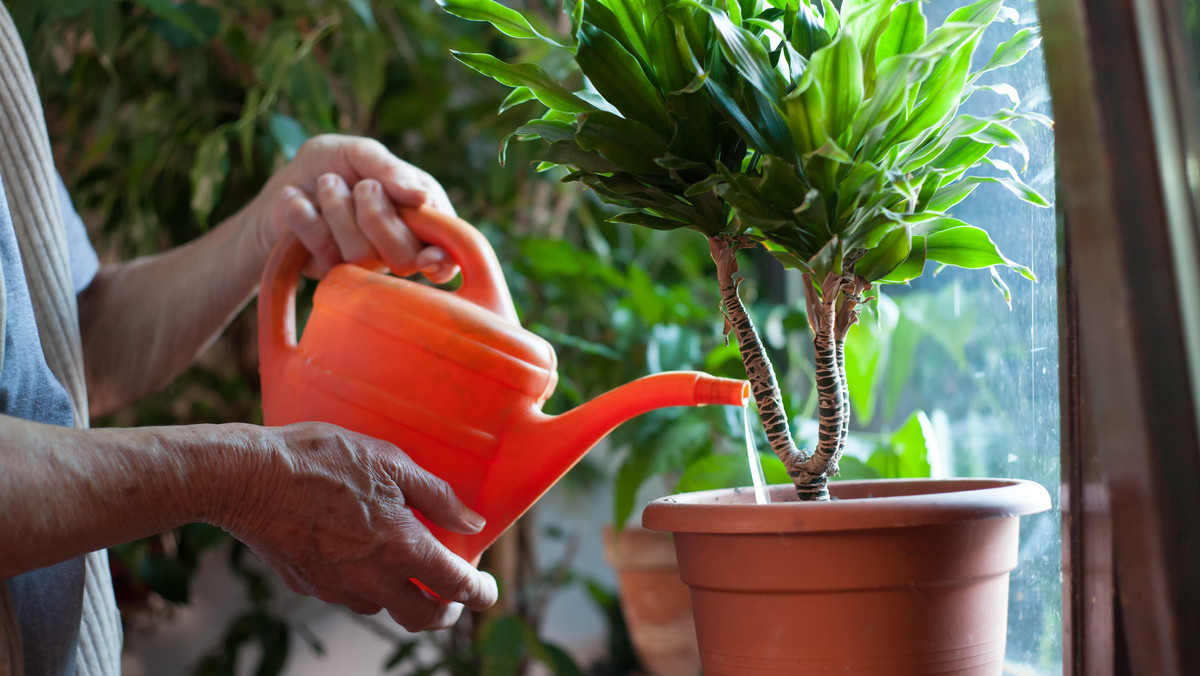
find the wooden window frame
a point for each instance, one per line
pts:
(1120, 79)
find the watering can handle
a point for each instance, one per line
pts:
(482, 278)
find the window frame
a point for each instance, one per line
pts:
(1131, 453)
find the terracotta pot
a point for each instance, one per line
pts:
(654, 601)
(912, 581)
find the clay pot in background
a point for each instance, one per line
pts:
(655, 602)
(891, 578)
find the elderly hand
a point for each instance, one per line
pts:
(328, 510)
(339, 196)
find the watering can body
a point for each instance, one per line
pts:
(449, 377)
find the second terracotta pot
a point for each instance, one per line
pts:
(891, 578)
(654, 602)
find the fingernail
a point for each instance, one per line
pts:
(474, 519)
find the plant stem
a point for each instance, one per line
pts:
(812, 481)
(754, 357)
(852, 288)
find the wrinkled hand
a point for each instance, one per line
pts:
(339, 195)
(329, 513)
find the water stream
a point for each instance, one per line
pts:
(756, 472)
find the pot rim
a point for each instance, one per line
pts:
(857, 505)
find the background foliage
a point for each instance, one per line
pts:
(167, 116)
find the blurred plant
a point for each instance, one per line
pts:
(167, 116)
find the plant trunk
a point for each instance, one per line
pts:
(758, 365)
(832, 409)
(832, 309)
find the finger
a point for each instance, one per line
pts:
(404, 183)
(417, 610)
(295, 212)
(436, 264)
(390, 237)
(337, 208)
(439, 569)
(434, 498)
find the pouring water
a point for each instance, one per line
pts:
(756, 472)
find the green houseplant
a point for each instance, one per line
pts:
(831, 135)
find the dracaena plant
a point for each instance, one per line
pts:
(829, 135)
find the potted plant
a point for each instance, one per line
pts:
(832, 137)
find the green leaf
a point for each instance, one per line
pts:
(556, 659)
(912, 267)
(733, 114)
(619, 78)
(865, 21)
(930, 223)
(1013, 50)
(833, 21)
(626, 142)
(362, 9)
(1014, 184)
(368, 58)
(503, 646)
(968, 247)
(907, 455)
(962, 154)
(646, 220)
(515, 98)
(629, 15)
(664, 58)
(551, 130)
(938, 96)
(949, 195)
(808, 31)
(851, 468)
(905, 33)
(1006, 90)
(839, 70)
(714, 471)
(865, 353)
(804, 112)
(569, 154)
(1002, 286)
(209, 171)
(107, 27)
(288, 134)
(980, 13)
(1000, 135)
(746, 54)
(545, 88)
(506, 20)
(892, 251)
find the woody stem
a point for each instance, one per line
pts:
(759, 371)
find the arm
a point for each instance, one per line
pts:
(146, 320)
(327, 509)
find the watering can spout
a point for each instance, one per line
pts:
(584, 426)
(552, 445)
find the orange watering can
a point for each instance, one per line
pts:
(450, 377)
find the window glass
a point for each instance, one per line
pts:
(987, 375)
